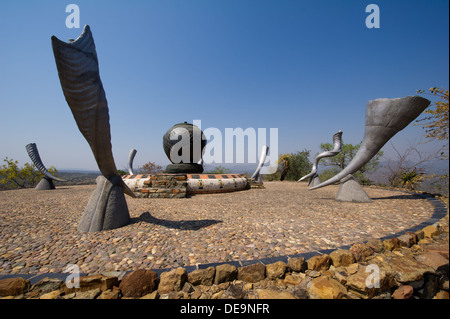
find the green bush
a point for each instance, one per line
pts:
(11, 176)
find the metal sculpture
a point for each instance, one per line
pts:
(384, 119)
(46, 182)
(183, 144)
(256, 176)
(130, 161)
(313, 176)
(78, 71)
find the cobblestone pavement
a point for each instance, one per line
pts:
(38, 229)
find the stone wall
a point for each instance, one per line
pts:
(163, 186)
(253, 184)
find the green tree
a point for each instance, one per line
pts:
(436, 123)
(348, 152)
(292, 166)
(284, 161)
(299, 165)
(411, 179)
(12, 176)
(328, 173)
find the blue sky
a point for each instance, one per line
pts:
(307, 68)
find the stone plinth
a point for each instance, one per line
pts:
(107, 207)
(160, 186)
(351, 191)
(252, 183)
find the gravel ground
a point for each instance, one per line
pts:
(38, 229)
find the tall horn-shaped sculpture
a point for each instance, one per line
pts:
(47, 181)
(78, 71)
(337, 144)
(384, 119)
(130, 161)
(262, 159)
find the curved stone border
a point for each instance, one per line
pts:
(440, 211)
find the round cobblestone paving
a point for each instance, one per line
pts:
(38, 229)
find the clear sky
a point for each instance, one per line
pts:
(307, 68)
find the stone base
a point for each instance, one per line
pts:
(254, 184)
(45, 184)
(184, 168)
(107, 207)
(351, 191)
(314, 181)
(163, 186)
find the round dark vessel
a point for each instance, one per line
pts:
(183, 144)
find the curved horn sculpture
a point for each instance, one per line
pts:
(384, 119)
(262, 159)
(34, 155)
(337, 144)
(130, 161)
(78, 71)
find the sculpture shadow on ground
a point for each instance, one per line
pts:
(181, 224)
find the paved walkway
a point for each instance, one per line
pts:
(38, 232)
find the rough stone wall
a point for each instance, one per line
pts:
(163, 186)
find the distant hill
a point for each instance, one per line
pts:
(77, 177)
(85, 177)
(233, 168)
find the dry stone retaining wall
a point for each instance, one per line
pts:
(163, 186)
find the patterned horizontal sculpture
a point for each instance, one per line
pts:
(180, 185)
